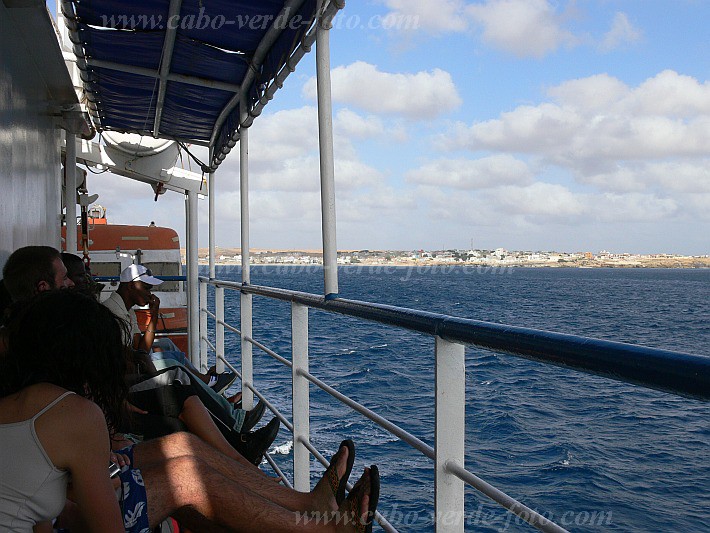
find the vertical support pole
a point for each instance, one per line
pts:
(212, 243)
(192, 279)
(187, 264)
(212, 215)
(245, 299)
(327, 165)
(219, 327)
(301, 400)
(203, 326)
(450, 434)
(70, 192)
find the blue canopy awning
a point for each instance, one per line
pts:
(179, 69)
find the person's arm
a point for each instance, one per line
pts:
(143, 364)
(87, 461)
(147, 338)
(42, 527)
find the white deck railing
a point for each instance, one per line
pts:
(450, 393)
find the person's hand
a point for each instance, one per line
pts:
(133, 409)
(120, 459)
(154, 305)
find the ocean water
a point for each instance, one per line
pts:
(590, 453)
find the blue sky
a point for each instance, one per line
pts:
(524, 124)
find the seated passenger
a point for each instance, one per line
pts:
(80, 276)
(28, 271)
(135, 290)
(35, 269)
(170, 400)
(60, 392)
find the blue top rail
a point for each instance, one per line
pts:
(162, 278)
(675, 372)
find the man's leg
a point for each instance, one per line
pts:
(188, 482)
(217, 404)
(179, 445)
(198, 420)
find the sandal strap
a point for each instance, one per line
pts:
(354, 505)
(331, 476)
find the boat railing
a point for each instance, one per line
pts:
(677, 373)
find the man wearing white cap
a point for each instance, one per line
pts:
(134, 289)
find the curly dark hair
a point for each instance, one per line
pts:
(72, 341)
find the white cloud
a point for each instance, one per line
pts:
(525, 28)
(283, 153)
(595, 93)
(284, 134)
(685, 176)
(434, 16)
(423, 95)
(480, 173)
(670, 94)
(356, 126)
(622, 31)
(633, 207)
(642, 153)
(539, 199)
(598, 123)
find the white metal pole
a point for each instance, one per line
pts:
(219, 327)
(327, 165)
(212, 215)
(219, 291)
(449, 435)
(203, 326)
(188, 292)
(70, 192)
(192, 278)
(203, 297)
(245, 299)
(301, 400)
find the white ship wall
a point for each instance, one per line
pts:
(30, 172)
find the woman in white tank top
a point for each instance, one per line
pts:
(60, 382)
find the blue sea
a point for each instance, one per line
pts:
(590, 453)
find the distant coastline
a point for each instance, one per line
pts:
(464, 258)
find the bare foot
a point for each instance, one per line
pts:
(334, 479)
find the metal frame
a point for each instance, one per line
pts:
(327, 162)
(70, 243)
(166, 60)
(85, 64)
(691, 379)
(674, 372)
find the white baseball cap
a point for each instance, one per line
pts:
(139, 273)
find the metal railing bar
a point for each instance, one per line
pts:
(474, 481)
(118, 278)
(230, 328)
(512, 505)
(485, 488)
(209, 344)
(531, 517)
(278, 471)
(675, 372)
(380, 519)
(210, 313)
(271, 406)
(410, 439)
(259, 345)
